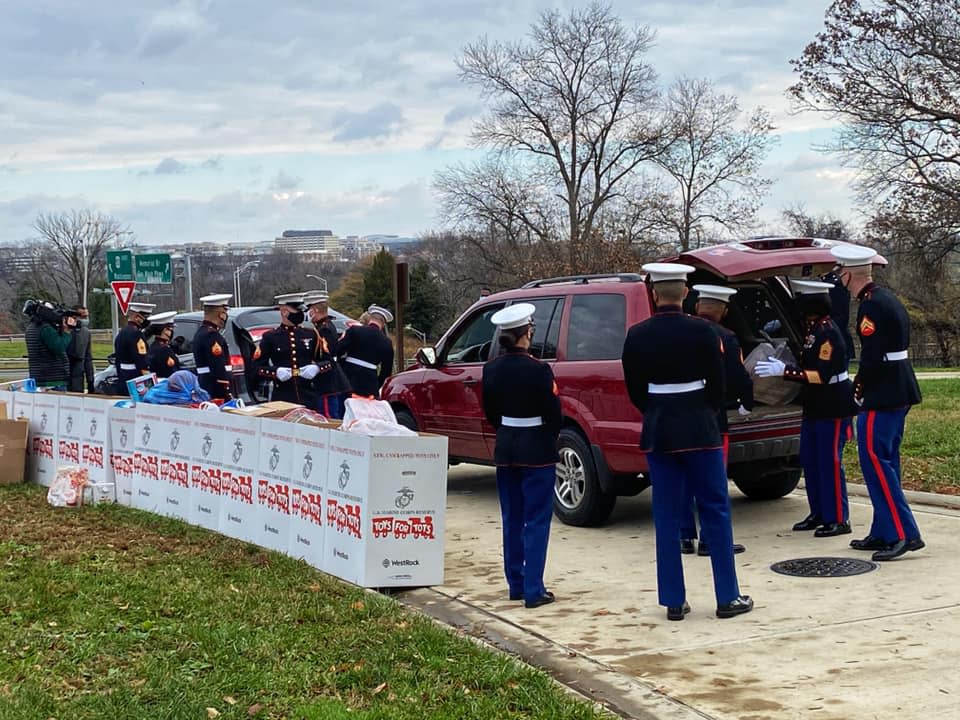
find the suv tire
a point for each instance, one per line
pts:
(770, 485)
(405, 418)
(577, 497)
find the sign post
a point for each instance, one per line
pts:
(120, 273)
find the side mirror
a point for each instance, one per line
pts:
(427, 356)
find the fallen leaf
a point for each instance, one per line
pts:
(379, 688)
(602, 611)
(358, 605)
(212, 713)
(233, 588)
(229, 700)
(314, 587)
(138, 683)
(254, 709)
(52, 624)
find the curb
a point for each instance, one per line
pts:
(914, 497)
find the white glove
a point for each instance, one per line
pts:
(771, 367)
(310, 371)
(858, 401)
(284, 374)
(743, 411)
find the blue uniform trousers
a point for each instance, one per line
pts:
(703, 471)
(331, 406)
(879, 433)
(526, 506)
(688, 508)
(821, 455)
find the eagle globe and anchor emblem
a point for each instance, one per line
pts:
(237, 450)
(174, 439)
(344, 476)
(207, 445)
(123, 437)
(93, 427)
(307, 466)
(274, 457)
(145, 436)
(69, 424)
(43, 422)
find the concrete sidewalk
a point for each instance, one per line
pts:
(886, 643)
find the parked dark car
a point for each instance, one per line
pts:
(581, 323)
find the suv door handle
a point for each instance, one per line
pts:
(470, 381)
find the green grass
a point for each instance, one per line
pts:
(930, 451)
(108, 612)
(18, 349)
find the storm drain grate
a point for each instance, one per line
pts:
(823, 567)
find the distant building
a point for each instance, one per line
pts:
(321, 242)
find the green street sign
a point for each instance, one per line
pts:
(153, 269)
(119, 265)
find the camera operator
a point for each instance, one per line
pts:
(48, 334)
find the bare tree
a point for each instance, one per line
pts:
(72, 250)
(712, 166)
(890, 71)
(802, 224)
(572, 113)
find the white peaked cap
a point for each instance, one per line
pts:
(513, 316)
(715, 292)
(215, 300)
(381, 311)
(139, 307)
(853, 255)
(662, 272)
(164, 318)
(289, 299)
(810, 287)
(315, 296)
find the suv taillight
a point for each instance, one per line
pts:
(236, 362)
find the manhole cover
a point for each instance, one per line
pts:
(823, 567)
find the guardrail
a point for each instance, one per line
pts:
(95, 336)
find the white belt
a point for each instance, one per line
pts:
(671, 388)
(842, 377)
(521, 422)
(202, 371)
(127, 366)
(898, 355)
(361, 363)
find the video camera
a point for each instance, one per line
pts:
(48, 312)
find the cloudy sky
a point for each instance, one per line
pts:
(236, 119)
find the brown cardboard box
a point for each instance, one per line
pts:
(3, 411)
(13, 450)
(274, 409)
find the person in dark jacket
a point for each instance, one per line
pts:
(130, 345)
(885, 388)
(210, 349)
(840, 310)
(520, 399)
(712, 304)
(162, 358)
(288, 354)
(674, 372)
(80, 352)
(367, 353)
(827, 409)
(331, 382)
(47, 337)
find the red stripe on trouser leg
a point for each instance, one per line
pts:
(726, 447)
(878, 469)
(837, 485)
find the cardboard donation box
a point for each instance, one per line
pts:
(6, 405)
(273, 484)
(206, 470)
(385, 509)
(44, 438)
(148, 446)
(123, 427)
(70, 430)
(177, 436)
(13, 450)
(275, 409)
(307, 494)
(94, 432)
(239, 516)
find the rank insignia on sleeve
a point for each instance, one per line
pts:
(867, 328)
(556, 390)
(256, 353)
(169, 362)
(826, 350)
(216, 350)
(141, 347)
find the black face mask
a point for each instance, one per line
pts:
(143, 323)
(295, 317)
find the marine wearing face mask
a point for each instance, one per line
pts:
(130, 346)
(210, 349)
(287, 355)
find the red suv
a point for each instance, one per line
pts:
(581, 323)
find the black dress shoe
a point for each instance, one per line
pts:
(677, 613)
(737, 606)
(901, 547)
(544, 599)
(833, 529)
(868, 543)
(516, 596)
(704, 549)
(686, 546)
(810, 522)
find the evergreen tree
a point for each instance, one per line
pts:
(378, 281)
(425, 307)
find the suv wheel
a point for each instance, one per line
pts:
(578, 498)
(406, 419)
(762, 483)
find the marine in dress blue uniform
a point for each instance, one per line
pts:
(674, 372)
(162, 359)
(367, 353)
(210, 349)
(288, 354)
(130, 345)
(885, 388)
(331, 382)
(827, 409)
(712, 303)
(521, 401)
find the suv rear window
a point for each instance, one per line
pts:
(546, 333)
(597, 327)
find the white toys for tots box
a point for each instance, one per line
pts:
(42, 463)
(239, 516)
(148, 445)
(273, 485)
(206, 469)
(94, 440)
(385, 509)
(70, 430)
(120, 448)
(307, 487)
(176, 437)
